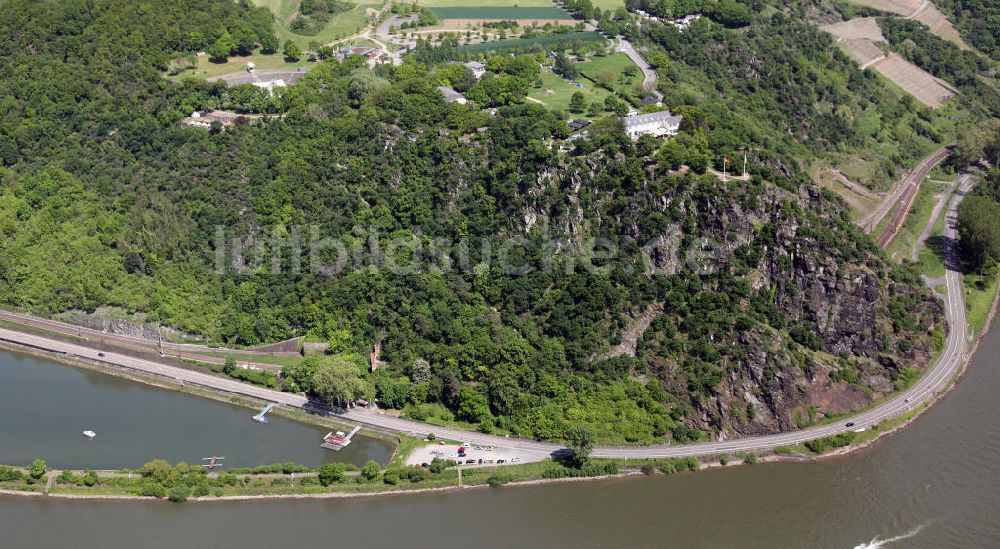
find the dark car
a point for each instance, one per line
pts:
(850, 424)
(470, 461)
(500, 461)
(100, 354)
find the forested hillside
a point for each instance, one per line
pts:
(777, 312)
(784, 86)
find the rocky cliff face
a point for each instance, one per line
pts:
(797, 318)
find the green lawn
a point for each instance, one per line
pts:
(616, 64)
(609, 4)
(340, 26)
(561, 91)
(207, 69)
(931, 257)
(918, 218)
(980, 292)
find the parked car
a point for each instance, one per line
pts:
(499, 461)
(515, 459)
(850, 424)
(470, 461)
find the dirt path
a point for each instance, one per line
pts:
(960, 179)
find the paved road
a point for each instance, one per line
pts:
(902, 191)
(649, 75)
(936, 379)
(933, 381)
(180, 351)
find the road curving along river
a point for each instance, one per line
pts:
(935, 484)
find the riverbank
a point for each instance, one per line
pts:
(170, 384)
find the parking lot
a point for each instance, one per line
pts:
(474, 455)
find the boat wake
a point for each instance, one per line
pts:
(877, 542)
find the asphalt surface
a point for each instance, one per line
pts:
(935, 380)
(648, 74)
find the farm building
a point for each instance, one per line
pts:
(451, 96)
(656, 123)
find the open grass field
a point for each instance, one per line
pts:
(556, 92)
(861, 199)
(609, 4)
(237, 65)
(918, 218)
(545, 40)
(340, 25)
(601, 67)
(504, 13)
(914, 80)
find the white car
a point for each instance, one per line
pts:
(515, 459)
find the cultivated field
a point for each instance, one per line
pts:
(926, 13)
(940, 25)
(860, 27)
(505, 13)
(864, 50)
(915, 81)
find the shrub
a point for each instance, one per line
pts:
(90, 478)
(201, 491)
(66, 477)
(750, 459)
(647, 468)
(371, 470)
(330, 473)
(179, 493)
(9, 474)
(37, 469)
(499, 480)
(417, 474)
(152, 489)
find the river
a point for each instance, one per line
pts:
(45, 407)
(935, 484)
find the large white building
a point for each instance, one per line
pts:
(655, 123)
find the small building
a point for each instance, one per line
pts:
(478, 69)
(578, 124)
(659, 124)
(685, 22)
(451, 96)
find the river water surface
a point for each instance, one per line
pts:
(45, 407)
(936, 484)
